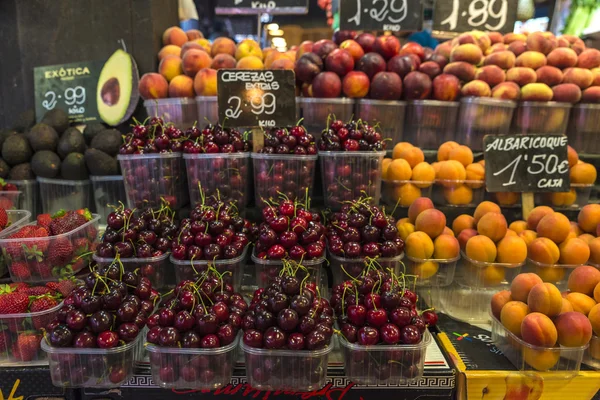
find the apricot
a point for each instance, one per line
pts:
(451, 171)
(583, 173)
(417, 207)
(541, 360)
(404, 229)
(555, 227)
(545, 298)
(425, 270)
(512, 250)
(445, 247)
(464, 221)
(498, 301)
(522, 284)
(528, 236)
(594, 245)
(419, 245)
(462, 154)
(512, 315)
(399, 170)
(464, 236)
(584, 279)
(423, 175)
(488, 275)
(518, 226)
(544, 251)
(537, 329)
(481, 248)
(562, 199)
(405, 194)
(169, 50)
(170, 67)
(551, 274)
(574, 252)
(575, 228)
(492, 225)
(431, 221)
(589, 218)
(510, 232)
(594, 317)
(536, 215)
(384, 167)
(475, 177)
(483, 208)
(507, 198)
(448, 231)
(586, 237)
(574, 329)
(445, 149)
(572, 156)
(566, 306)
(581, 303)
(459, 194)
(400, 148)
(413, 155)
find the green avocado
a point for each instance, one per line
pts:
(73, 167)
(42, 137)
(117, 93)
(92, 130)
(21, 172)
(108, 141)
(6, 133)
(16, 149)
(100, 163)
(46, 164)
(71, 141)
(25, 120)
(58, 119)
(4, 169)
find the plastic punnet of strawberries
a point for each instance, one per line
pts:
(53, 247)
(9, 195)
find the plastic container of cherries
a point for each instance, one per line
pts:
(268, 271)
(157, 269)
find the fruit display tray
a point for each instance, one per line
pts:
(161, 273)
(267, 270)
(181, 111)
(459, 193)
(592, 354)
(16, 219)
(557, 274)
(30, 195)
(575, 199)
(541, 117)
(480, 116)
(430, 122)
(431, 273)
(108, 191)
(584, 128)
(341, 267)
(388, 114)
(403, 193)
(61, 194)
(11, 199)
(208, 110)
(315, 112)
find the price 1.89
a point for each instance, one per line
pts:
(465, 15)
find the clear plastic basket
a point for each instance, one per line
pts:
(46, 264)
(224, 174)
(16, 219)
(192, 270)
(281, 173)
(430, 122)
(389, 115)
(574, 199)
(451, 193)
(30, 195)
(149, 178)
(181, 111)
(267, 270)
(298, 370)
(562, 362)
(584, 128)
(592, 354)
(348, 175)
(92, 368)
(348, 268)
(15, 325)
(207, 109)
(541, 117)
(160, 272)
(404, 193)
(557, 274)
(10, 199)
(315, 112)
(61, 194)
(179, 368)
(384, 364)
(109, 190)
(480, 116)
(432, 273)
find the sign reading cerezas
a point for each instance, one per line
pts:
(387, 15)
(262, 6)
(255, 98)
(467, 15)
(526, 163)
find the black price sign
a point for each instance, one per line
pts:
(467, 15)
(256, 98)
(526, 163)
(261, 6)
(387, 15)
(71, 87)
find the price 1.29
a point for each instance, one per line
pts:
(74, 96)
(464, 15)
(389, 15)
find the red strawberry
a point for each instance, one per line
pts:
(38, 291)
(14, 303)
(10, 187)
(14, 249)
(42, 303)
(6, 203)
(3, 218)
(63, 223)
(81, 246)
(18, 286)
(44, 220)
(19, 271)
(42, 268)
(60, 253)
(64, 287)
(4, 342)
(26, 346)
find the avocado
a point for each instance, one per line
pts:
(92, 130)
(108, 141)
(46, 164)
(16, 149)
(4, 169)
(71, 141)
(21, 172)
(117, 93)
(73, 167)
(24, 121)
(42, 137)
(100, 163)
(6, 133)
(58, 119)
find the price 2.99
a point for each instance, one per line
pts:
(480, 13)
(72, 97)
(544, 164)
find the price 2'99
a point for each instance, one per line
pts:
(480, 13)
(72, 97)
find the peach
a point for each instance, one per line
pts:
(495, 37)
(194, 34)
(153, 86)
(543, 250)
(425, 270)
(584, 279)
(522, 284)
(554, 226)
(445, 87)
(417, 86)
(562, 58)
(418, 206)
(589, 58)
(451, 171)
(574, 329)
(204, 43)
(405, 229)
(483, 208)
(445, 247)
(405, 194)
(491, 74)
(507, 198)
(596, 73)
(423, 175)
(194, 60)
(506, 91)
(304, 47)
(170, 67)
(518, 47)
(475, 176)
(356, 84)
(594, 245)
(495, 48)
(469, 52)
(537, 329)
(419, 245)
(492, 225)
(513, 37)
(545, 298)
(581, 303)
(536, 215)
(579, 76)
(549, 75)
(190, 46)
(462, 70)
(589, 218)
(169, 50)
(512, 315)
(536, 41)
(476, 88)
(181, 86)
(531, 59)
(528, 236)
(250, 62)
(444, 49)
(499, 300)
(518, 226)
(464, 236)
(174, 35)
(444, 150)
(566, 93)
(502, 59)
(536, 92)
(399, 170)
(541, 360)
(458, 194)
(512, 250)
(205, 82)
(574, 252)
(430, 68)
(583, 173)
(248, 47)
(481, 248)
(413, 155)
(223, 61)
(521, 75)
(431, 221)
(464, 221)
(223, 45)
(594, 317)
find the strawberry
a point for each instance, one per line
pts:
(81, 246)
(38, 291)
(43, 269)
(64, 287)
(17, 287)
(14, 303)
(63, 223)
(42, 303)
(4, 342)
(44, 220)
(26, 346)
(10, 187)
(14, 249)
(60, 253)
(6, 203)
(19, 270)
(3, 218)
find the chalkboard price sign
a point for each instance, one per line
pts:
(466, 15)
(256, 98)
(71, 87)
(261, 6)
(387, 15)
(526, 163)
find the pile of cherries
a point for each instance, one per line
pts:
(153, 136)
(215, 139)
(295, 141)
(352, 136)
(290, 230)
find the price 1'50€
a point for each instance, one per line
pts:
(539, 165)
